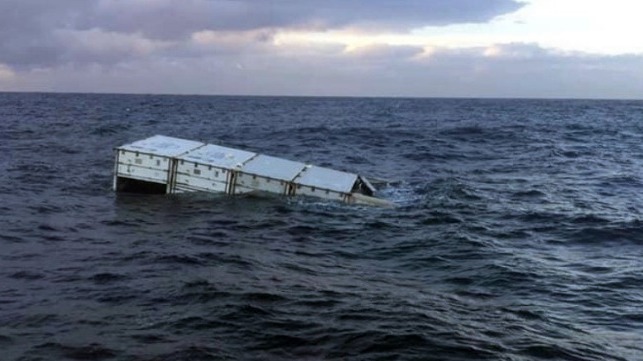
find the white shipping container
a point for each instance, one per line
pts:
(163, 164)
(209, 168)
(267, 174)
(149, 160)
(325, 183)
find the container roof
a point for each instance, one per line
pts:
(218, 156)
(162, 146)
(272, 167)
(325, 178)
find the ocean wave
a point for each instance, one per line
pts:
(516, 233)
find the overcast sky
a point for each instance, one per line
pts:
(422, 48)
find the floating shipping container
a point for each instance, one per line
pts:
(162, 164)
(148, 165)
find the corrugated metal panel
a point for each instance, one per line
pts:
(145, 160)
(198, 170)
(301, 190)
(272, 167)
(245, 182)
(146, 174)
(190, 182)
(162, 146)
(218, 156)
(325, 178)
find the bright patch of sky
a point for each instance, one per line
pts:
(599, 27)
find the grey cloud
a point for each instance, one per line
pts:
(403, 14)
(535, 73)
(523, 70)
(28, 27)
(175, 19)
(526, 70)
(385, 52)
(26, 30)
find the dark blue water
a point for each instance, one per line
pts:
(518, 233)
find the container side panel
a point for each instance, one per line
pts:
(259, 183)
(185, 189)
(319, 193)
(144, 160)
(197, 183)
(243, 190)
(115, 171)
(146, 174)
(202, 171)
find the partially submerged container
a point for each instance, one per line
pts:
(149, 165)
(162, 164)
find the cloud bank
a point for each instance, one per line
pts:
(37, 33)
(235, 47)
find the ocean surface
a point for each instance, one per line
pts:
(518, 233)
